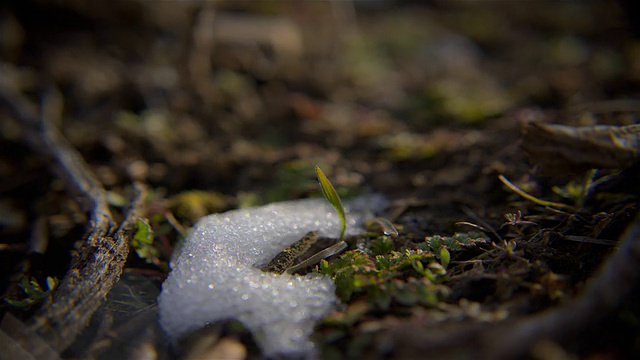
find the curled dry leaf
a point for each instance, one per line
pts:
(559, 149)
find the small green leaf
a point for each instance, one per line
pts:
(332, 196)
(429, 275)
(383, 262)
(436, 268)
(142, 242)
(445, 257)
(144, 234)
(417, 265)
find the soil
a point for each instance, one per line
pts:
(220, 105)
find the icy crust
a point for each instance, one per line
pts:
(214, 275)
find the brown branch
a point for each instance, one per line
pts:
(99, 260)
(96, 267)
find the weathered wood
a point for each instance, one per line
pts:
(100, 256)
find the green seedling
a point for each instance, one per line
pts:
(290, 259)
(576, 191)
(382, 245)
(33, 291)
(142, 242)
(332, 196)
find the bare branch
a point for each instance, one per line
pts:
(99, 260)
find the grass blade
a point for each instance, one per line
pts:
(536, 200)
(332, 196)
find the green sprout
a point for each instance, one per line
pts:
(142, 242)
(576, 191)
(331, 195)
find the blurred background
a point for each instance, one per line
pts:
(244, 96)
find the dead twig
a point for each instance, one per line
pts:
(95, 268)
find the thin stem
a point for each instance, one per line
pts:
(536, 200)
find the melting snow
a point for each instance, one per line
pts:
(214, 274)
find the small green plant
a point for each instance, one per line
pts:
(33, 291)
(445, 257)
(382, 245)
(406, 277)
(387, 275)
(576, 191)
(142, 242)
(289, 260)
(454, 243)
(332, 196)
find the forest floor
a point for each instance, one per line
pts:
(215, 106)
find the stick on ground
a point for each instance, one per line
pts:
(99, 260)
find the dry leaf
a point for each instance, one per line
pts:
(559, 149)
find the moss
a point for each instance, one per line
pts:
(385, 275)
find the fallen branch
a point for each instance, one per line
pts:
(99, 259)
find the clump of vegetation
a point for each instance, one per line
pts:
(385, 274)
(34, 292)
(454, 243)
(142, 242)
(408, 277)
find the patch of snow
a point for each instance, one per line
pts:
(214, 274)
